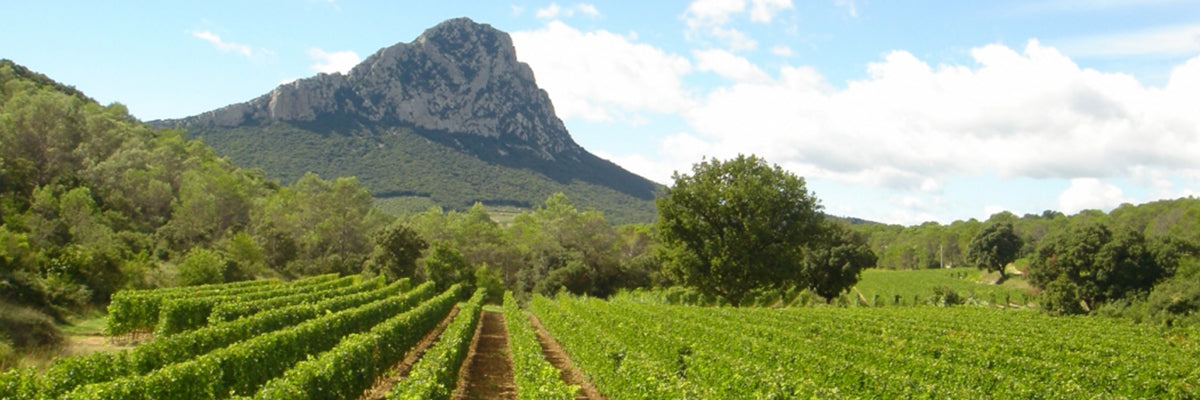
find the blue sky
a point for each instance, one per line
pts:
(900, 112)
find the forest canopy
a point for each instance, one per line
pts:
(93, 201)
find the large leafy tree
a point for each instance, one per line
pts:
(832, 263)
(1091, 264)
(446, 266)
(563, 248)
(732, 227)
(994, 247)
(397, 248)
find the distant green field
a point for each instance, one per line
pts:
(404, 205)
(973, 285)
(881, 288)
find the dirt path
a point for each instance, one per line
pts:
(555, 354)
(88, 344)
(487, 372)
(383, 385)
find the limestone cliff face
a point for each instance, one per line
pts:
(459, 77)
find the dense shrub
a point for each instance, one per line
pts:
(202, 266)
(26, 329)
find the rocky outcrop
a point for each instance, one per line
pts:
(459, 77)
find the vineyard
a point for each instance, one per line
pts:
(643, 351)
(327, 337)
(321, 337)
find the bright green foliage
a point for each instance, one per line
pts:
(94, 201)
(397, 249)
(316, 227)
(67, 373)
(133, 310)
(353, 365)
(555, 247)
(230, 311)
(640, 351)
(241, 368)
(929, 245)
(994, 247)
(433, 377)
(736, 226)
(1091, 264)
(447, 266)
(473, 233)
(563, 248)
(488, 279)
(876, 288)
(833, 261)
(932, 245)
(536, 378)
(18, 383)
(185, 314)
(1175, 302)
(903, 286)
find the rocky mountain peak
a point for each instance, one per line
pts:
(458, 77)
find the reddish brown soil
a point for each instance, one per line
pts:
(557, 357)
(487, 372)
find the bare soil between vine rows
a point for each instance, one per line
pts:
(380, 389)
(487, 372)
(554, 352)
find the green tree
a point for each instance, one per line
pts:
(1093, 264)
(445, 266)
(1176, 301)
(732, 227)
(833, 262)
(473, 233)
(563, 248)
(994, 247)
(488, 278)
(202, 266)
(397, 249)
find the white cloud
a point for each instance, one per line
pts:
(765, 10)
(719, 12)
(603, 76)
(331, 62)
(910, 126)
(991, 210)
(909, 217)
(1161, 185)
(850, 6)
(550, 11)
(222, 45)
(735, 39)
(712, 12)
(554, 11)
(1089, 194)
(713, 18)
(1055, 6)
(781, 50)
(587, 9)
(1181, 40)
(910, 202)
(676, 153)
(728, 65)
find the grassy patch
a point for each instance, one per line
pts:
(969, 283)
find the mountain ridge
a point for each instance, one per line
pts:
(460, 88)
